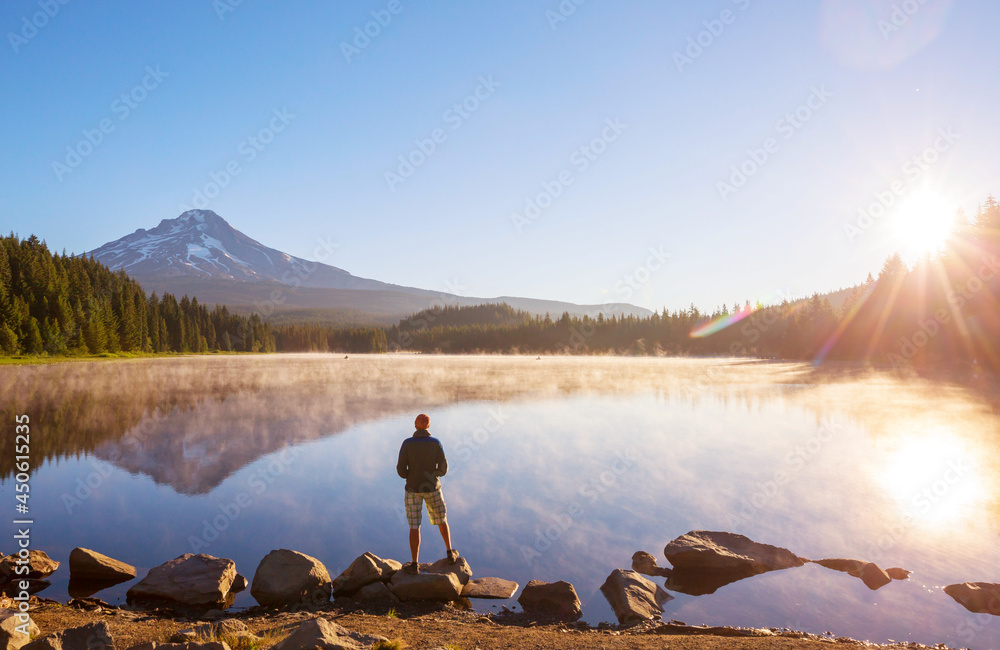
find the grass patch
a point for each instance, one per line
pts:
(395, 644)
(392, 613)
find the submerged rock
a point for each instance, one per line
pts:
(85, 564)
(287, 577)
(869, 572)
(556, 599)
(645, 563)
(363, 571)
(898, 574)
(94, 636)
(721, 551)
(322, 633)
(978, 597)
(633, 597)
(196, 580)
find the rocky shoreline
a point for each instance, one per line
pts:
(184, 601)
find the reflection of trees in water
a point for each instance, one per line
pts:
(191, 422)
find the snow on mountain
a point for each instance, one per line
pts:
(201, 244)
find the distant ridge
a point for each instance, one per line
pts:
(199, 253)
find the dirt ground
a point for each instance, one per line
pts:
(429, 626)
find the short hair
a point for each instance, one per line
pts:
(423, 421)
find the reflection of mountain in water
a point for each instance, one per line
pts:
(191, 422)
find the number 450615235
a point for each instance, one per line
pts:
(22, 461)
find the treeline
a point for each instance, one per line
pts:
(944, 311)
(67, 304)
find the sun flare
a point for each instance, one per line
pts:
(922, 223)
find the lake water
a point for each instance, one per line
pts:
(560, 469)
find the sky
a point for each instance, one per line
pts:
(657, 153)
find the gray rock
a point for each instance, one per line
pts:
(287, 577)
(197, 580)
(489, 588)
(977, 597)
(426, 586)
(363, 571)
(633, 597)
(645, 563)
(557, 599)
(721, 551)
(376, 592)
(323, 634)
(10, 637)
(85, 564)
(94, 636)
(40, 566)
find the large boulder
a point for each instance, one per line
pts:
(13, 633)
(645, 563)
(633, 597)
(363, 571)
(489, 588)
(720, 551)
(376, 592)
(978, 597)
(193, 580)
(40, 566)
(426, 586)
(870, 573)
(94, 636)
(287, 577)
(556, 599)
(85, 564)
(323, 634)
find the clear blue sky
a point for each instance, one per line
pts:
(219, 76)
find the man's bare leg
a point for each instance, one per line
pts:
(446, 535)
(414, 543)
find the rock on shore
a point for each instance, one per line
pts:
(363, 571)
(194, 580)
(633, 597)
(556, 599)
(287, 577)
(85, 564)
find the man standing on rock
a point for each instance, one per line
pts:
(422, 462)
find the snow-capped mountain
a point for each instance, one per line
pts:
(200, 254)
(201, 244)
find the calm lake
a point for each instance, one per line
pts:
(560, 469)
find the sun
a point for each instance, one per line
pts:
(922, 223)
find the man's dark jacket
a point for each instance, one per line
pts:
(421, 462)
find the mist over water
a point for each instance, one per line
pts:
(560, 469)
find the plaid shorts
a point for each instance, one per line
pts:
(437, 512)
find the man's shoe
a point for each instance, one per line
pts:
(411, 567)
(453, 556)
